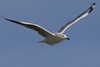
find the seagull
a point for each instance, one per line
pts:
(53, 38)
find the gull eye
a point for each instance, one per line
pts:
(63, 35)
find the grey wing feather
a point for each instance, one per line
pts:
(84, 14)
(42, 31)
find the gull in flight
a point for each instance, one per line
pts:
(53, 38)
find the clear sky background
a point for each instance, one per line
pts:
(19, 46)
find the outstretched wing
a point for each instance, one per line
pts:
(84, 14)
(42, 31)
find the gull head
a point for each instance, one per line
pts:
(66, 37)
(62, 36)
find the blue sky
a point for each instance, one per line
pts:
(19, 46)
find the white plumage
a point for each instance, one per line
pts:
(53, 38)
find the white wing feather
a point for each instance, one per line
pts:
(42, 31)
(84, 14)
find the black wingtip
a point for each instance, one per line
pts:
(94, 3)
(4, 18)
(92, 7)
(11, 20)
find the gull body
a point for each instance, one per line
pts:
(58, 37)
(53, 38)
